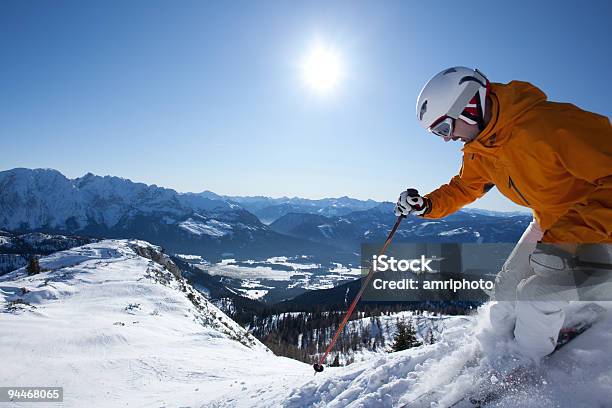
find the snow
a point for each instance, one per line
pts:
(577, 376)
(253, 289)
(326, 230)
(36, 237)
(254, 284)
(253, 293)
(189, 257)
(454, 231)
(229, 268)
(295, 270)
(343, 270)
(245, 272)
(116, 329)
(168, 220)
(284, 260)
(211, 227)
(423, 324)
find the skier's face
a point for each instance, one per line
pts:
(463, 132)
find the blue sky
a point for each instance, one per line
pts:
(209, 95)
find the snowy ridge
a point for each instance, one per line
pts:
(114, 327)
(115, 269)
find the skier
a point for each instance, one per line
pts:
(551, 157)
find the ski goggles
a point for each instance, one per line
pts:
(443, 127)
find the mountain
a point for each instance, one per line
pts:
(44, 200)
(479, 211)
(270, 209)
(373, 225)
(114, 323)
(296, 253)
(119, 270)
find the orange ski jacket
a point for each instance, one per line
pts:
(551, 157)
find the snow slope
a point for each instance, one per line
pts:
(115, 328)
(579, 375)
(115, 325)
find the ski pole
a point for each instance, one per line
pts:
(318, 367)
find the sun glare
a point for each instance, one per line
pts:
(322, 69)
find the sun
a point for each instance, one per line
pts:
(322, 69)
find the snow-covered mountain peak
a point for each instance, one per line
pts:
(34, 199)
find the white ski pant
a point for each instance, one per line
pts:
(536, 324)
(515, 269)
(531, 304)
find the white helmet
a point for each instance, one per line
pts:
(453, 93)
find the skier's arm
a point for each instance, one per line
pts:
(469, 185)
(586, 153)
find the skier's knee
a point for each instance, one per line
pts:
(502, 317)
(539, 289)
(537, 326)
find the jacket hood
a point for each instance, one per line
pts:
(508, 103)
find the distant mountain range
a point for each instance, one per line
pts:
(373, 225)
(269, 210)
(44, 200)
(214, 226)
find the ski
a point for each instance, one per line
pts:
(516, 378)
(584, 318)
(425, 399)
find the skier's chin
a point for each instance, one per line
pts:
(464, 139)
(460, 139)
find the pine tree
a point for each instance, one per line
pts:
(405, 337)
(399, 339)
(33, 266)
